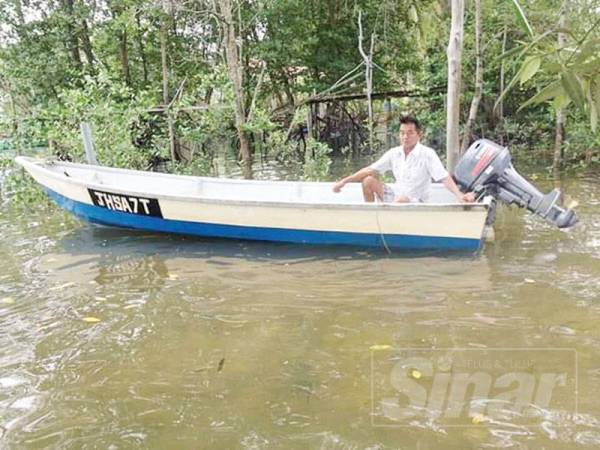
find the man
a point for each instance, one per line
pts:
(413, 165)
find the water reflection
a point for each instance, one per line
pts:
(149, 262)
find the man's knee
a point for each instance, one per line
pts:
(371, 187)
(370, 182)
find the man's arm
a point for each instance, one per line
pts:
(439, 173)
(469, 197)
(355, 177)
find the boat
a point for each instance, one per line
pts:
(278, 211)
(297, 211)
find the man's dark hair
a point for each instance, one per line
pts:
(411, 119)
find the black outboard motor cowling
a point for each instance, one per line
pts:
(486, 168)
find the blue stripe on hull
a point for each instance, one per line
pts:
(103, 216)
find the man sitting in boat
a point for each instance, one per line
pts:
(413, 165)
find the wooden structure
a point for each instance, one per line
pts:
(328, 119)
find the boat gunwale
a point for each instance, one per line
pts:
(376, 206)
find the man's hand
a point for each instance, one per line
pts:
(337, 187)
(356, 177)
(469, 197)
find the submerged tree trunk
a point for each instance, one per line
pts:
(478, 81)
(560, 113)
(164, 28)
(236, 75)
(454, 73)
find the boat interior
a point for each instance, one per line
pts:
(158, 183)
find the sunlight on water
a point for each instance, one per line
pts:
(116, 339)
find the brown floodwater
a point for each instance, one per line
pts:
(115, 339)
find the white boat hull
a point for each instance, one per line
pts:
(256, 210)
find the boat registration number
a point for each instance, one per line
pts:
(126, 203)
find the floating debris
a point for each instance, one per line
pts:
(221, 364)
(529, 280)
(7, 301)
(91, 319)
(562, 329)
(477, 419)
(380, 347)
(415, 374)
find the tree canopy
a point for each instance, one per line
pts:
(113, 62)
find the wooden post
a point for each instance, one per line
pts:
(88, 143)
(455, 44)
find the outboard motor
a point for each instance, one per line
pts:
(486, 168)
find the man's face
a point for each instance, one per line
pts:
(409, 135)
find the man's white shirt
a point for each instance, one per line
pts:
(413, 173)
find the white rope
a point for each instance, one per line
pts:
(378, 202)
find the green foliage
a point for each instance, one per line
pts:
(582, 148)
(200, 166)
(530, 68)
(112, 111)
(18, 189)
(522, 18)
(317, 162)
(568, 73)
(285, 150)
(316, 41)
(259, 122)
(211, 125)
(532, 131)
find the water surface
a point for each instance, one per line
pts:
(230, 344)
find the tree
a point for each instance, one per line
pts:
(454, 53)
(236, 72)
(478, 80)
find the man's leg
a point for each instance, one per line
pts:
(371, 186)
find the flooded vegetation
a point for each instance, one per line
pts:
(115, 339)
(118, 339)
